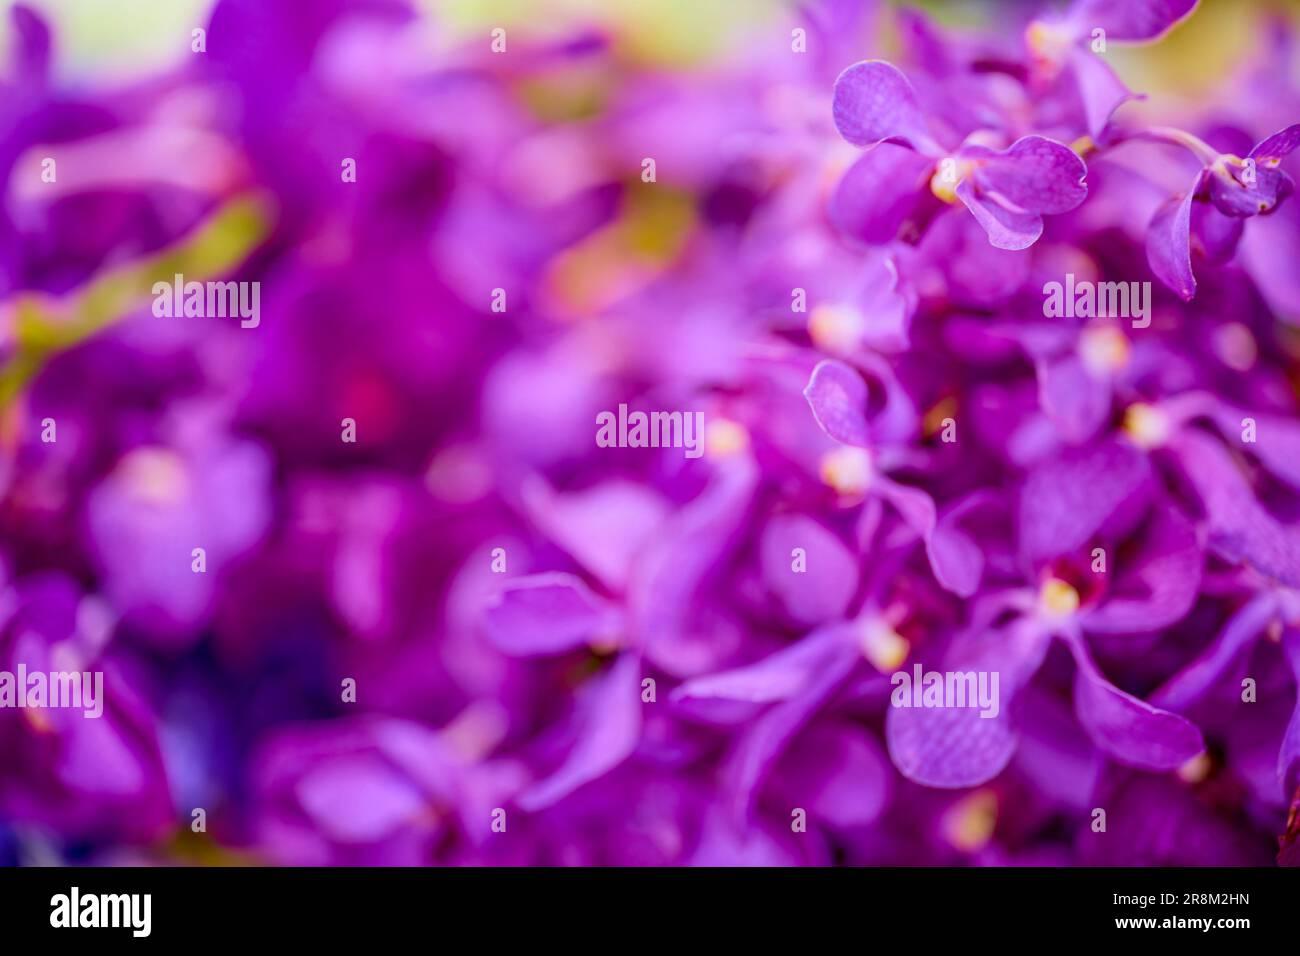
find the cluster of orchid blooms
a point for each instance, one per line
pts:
(556, 652)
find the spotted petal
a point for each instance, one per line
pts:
(1071, 498)
(873, 102)
(838, 398)
(1036, 174)
(1273, 149)
(1007, 227)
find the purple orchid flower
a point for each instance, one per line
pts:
(1064, 47)
(88, 777)
(1210, 215)
(1008, 191)
(839, 398)
(1093, 495)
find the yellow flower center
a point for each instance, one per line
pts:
(836, 328)
(1047, 42)
(969, 823)
(154, 475)
(1146, 425)
(947, 175)
(883, 646)
(1058, 598)
(1104, 348)
(724, 437)
(847, 470)
(1196, 769)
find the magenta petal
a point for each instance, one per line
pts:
(1277, 444)
(837, 772)
(359, 798)
(1007, 227)
(1130, 19)
(767, 737)
(604, 528)
(1100, 90)
(973, 271)
(607, 722)
(677, 565)
(1037, 174)
(956, 746)
(1276, 147)
(949, 746)
(913, 505)
(1240, 528)
(838, 398)
(1214, 234)
(879, 192)
(1270, 248)
(1067, 500)
(31, 47)
(1169, 250)
(778, 676)
(1074, 399)
(823, 589)
(886, 306)
(1127, 729)
(548, 614)
(956, 560)
(1157, 586)
(723, 842)
(873, 102)
(1196, 679)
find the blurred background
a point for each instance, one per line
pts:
(323, 690)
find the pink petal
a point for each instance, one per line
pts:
(548, 614)
(1069, 499)
(1130, 730)
(1036, 174)
(1007, 227)
(1130, 19)
(608, 726)
(1076, 401)
(874, 102)
(1277, 146)
(949, 747)
(838, 398)
(1157, 586)
(824, 588)
(1169, 251)
(1100, 90)
(880, 192)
